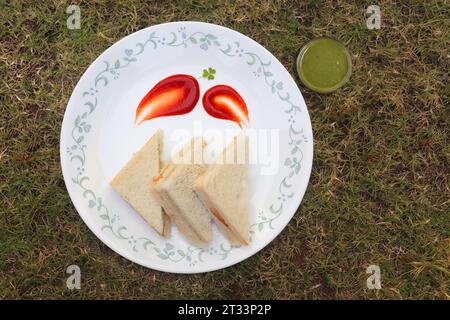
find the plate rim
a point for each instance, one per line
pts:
(179, 269)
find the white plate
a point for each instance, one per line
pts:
(98, 137)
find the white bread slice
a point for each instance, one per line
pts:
(223, 189)
(179, 221)
(132, 183)
(174, 185)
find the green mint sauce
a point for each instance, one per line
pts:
(324, 65)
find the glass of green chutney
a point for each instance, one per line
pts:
(324, 65)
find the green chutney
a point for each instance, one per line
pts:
(324, 65)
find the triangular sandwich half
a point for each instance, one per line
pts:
(132, 183)
(223, 189)
(174, 186)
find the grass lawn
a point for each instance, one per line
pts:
(380, 186)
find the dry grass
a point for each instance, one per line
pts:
(379, 191)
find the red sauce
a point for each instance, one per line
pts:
(174, 95)
(223, 102)
(219, 217)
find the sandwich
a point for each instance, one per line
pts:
(132, 183)
(174, 187)
(223, 189)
